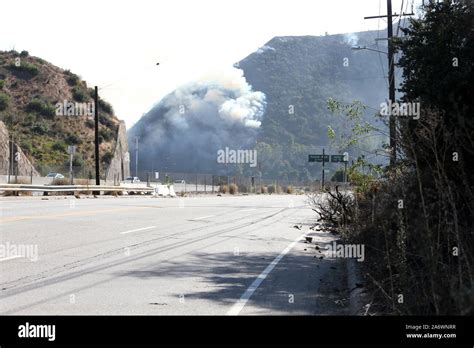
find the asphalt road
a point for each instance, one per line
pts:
(187, 256)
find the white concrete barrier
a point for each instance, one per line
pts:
(165, 190)
(172, 193)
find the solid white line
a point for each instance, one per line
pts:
(240, 304)
(11, 258)
(243, 211)
(203, 217)
(138, 229)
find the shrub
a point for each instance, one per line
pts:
(41, 108)
(107, 157)
(274, 189)
(233, 189)
(90, 123)
(26, 145)
(105, 120)
(25, 70)
(223, 189)
(61, 182)
(40, 128)
(103, 105)
(77, 160)
(73, 139)
(78, 94)
(106, 134)
(59, 146)
(24, 54)
(84, 182)
(18, 193)
(72, 80)
(3, 101)
(2, 83)
(263, 189)
(290, 190)
(338, 175)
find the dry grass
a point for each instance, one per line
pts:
(223, 189)
(263, 189)
(82, 182)
(233, 189)
(19, 181)
(274, 189)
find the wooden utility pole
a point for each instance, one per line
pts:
(96, 124)
(391, 85)
(136, 157)
(322, 173)
(391, 77)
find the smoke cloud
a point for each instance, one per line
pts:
(351, 39)
(184, 131)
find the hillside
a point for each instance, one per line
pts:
(277, 105)
(303, 72)
(30, 89)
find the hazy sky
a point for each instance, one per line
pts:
(116, 44)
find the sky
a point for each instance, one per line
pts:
(115, 44)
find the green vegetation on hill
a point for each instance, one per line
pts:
(298, 75)
(30, 89)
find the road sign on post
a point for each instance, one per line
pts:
(318, 158)
(345, 159)
(71, 149)
(337, 158)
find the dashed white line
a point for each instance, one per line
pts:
(138, 229)
(11, 258)
(203, 217)
(240, 304)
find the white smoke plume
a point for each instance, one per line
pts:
(351, 39)
(185, 130)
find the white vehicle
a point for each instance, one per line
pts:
(55, 176)
(132, 179)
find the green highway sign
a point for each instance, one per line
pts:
(334, 158)
(337, 158)
(318, 158)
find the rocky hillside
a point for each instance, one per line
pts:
(46, 108)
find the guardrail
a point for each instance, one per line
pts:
(74, 188)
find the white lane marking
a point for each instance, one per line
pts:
(203, 217)
(240, 304)
(11, 258)
(138, 229)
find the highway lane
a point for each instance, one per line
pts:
(142, 255)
